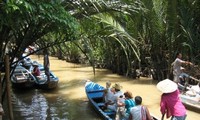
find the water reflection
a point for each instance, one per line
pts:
(38, 106)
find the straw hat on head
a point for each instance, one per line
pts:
(117, 86)
(167, 86)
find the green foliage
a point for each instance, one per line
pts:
(111, 32)
(30, 21)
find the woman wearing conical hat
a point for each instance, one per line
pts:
(170, 103)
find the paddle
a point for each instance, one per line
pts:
(163, 115)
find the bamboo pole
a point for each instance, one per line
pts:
(7, 67)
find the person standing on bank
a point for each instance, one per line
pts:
(177, 66)
(170, 103)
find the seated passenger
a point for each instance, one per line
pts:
(108, 93)
(117, 93)
(120, 108)
(183, 77)
(36, 70)
(128, 103)
(139, 112)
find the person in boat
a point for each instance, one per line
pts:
(184, 80)
(117, 93)
(183, 76)
(177, 66)
(139, 112)
(120, 108)
(36, 70)
(128, 104)
(117, 97)
(108, 93)
(170, 103)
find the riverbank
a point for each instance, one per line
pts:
(73, 76)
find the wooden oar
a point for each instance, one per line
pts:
(163, 115)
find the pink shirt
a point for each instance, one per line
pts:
(171, 104)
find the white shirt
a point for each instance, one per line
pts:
(136, 112)
(109, 95)
(117, 95)
(177, 66)
(115, 100)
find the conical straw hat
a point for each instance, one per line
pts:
(167, 86)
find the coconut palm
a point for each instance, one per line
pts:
(34, 20)
(154, 28)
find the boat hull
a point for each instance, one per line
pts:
(23, 85)
(191, 102)
(47, 85)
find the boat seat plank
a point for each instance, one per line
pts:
(96, 95)
(101, 104)
(94, 91)
(109, 113)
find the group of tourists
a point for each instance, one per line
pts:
(123, 103)
(129, 108)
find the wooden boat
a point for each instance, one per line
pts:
(42, 81)
(22, 78)
(191, 102)
(95, 93)
(95, 96)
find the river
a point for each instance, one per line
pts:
(69, 101)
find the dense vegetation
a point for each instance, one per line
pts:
(121, 35)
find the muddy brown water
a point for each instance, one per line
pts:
(69, 101)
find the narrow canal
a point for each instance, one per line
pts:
(69, 102)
